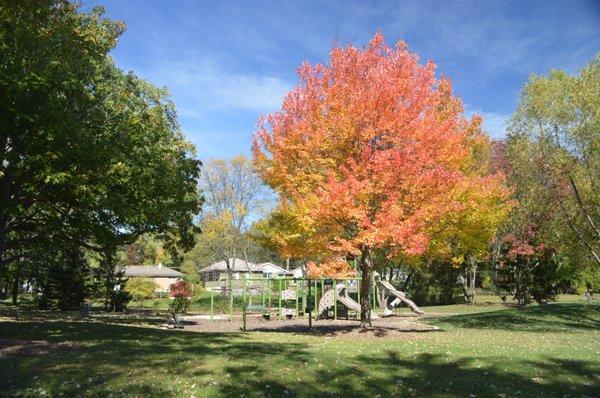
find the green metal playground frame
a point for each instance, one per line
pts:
(308, 292)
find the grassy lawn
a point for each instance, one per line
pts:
(551, 350)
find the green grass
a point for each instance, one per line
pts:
(550, 350)
(488, 302)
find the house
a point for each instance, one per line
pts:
(296, 273)
(271, 270)
(215, 275)
(218, 271)
(163, 276)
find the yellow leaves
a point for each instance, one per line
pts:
(457, 261)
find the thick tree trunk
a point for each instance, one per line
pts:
(366, 268)
(15, 289)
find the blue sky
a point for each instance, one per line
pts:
(227, 62)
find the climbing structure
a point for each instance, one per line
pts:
(328, 299)
(398, 298)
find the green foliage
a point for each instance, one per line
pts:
(119, 300)
(554, 150)
(140, 288)
(91, 157)
(179, 305)
(527, 277)
(434, 282)
(197, 287)
(62, 280)
(590, 279)
(181, 293)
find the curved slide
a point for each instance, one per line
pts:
(400, 297)
(326, 302)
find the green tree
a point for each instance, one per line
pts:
(50, 55)
(556, 129)
(91, 155)
(140, 289)
(63, 278)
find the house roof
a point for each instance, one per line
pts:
(151, 271)
(268, 264)
(242, 266)
(236, 266)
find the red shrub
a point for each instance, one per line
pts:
(181, 289)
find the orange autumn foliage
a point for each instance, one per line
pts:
(368, 151)
(335, 267)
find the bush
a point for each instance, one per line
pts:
(435, 283)
(119, 300)
(197, 286)
(181, 292)
(140, 289)
(530, 273)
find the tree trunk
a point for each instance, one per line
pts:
(407, 281)
(382, 300)
(366, 268)
(465, 284)
(3, 265)
(473, 280)
(15, 289)
(109, 265)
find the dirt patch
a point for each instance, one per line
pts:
(26, 348)
(396, 327)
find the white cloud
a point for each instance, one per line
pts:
(207, 85)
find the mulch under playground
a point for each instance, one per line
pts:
(395, 326)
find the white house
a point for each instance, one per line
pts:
(297, 273)
(270, 270)
(215, 275)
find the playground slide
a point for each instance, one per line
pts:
(326, 301)
(400, 296)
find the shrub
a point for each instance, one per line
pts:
(181, 292)
(529, 270)
(140, 289)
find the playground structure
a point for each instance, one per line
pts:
(286, 298)
(398, 297)
(339, 294)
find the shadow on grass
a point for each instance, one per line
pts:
(28, 312)
(555, 317)
(341, 330)
(133, 361)
(424, 375)
(121, 351)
